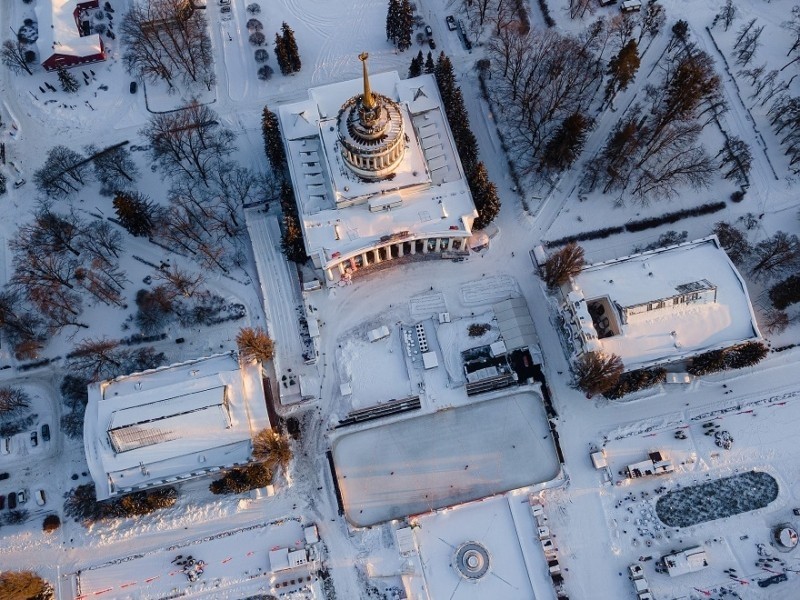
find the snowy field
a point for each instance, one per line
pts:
(229, 557)
(446, 458)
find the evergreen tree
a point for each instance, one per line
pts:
(292, 240)
(273, 143)
(281, 55)
(415, 70)
(405, 26)
(67, 80)
(622, 68)
(290, 45)
(136, 213)
(745, 355)
(392, 20)
(430, 66)
(567, 142)
(484, 194)
(785, 292)
(457, 116)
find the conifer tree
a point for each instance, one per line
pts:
(415, 70)
(135, 212)
(392, 20)
(567, 142)
(281, 56)
(405, 26)
(290, 45)
(484, 194)
(273, 143)
(622, 68)
(67, 80)
(430, 66)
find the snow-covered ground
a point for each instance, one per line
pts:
(759, 407)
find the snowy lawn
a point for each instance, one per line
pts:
(446, 458)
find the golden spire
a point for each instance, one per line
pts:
(367, 99)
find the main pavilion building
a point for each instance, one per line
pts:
(376, 174)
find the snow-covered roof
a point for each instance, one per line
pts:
(679, 330)
(515, 323)
(686, 561)
(148, 428)
(429, 193)
(59, 32)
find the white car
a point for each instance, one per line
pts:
(224, 2)
(40, 499)
(21, 498)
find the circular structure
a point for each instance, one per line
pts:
(371, 132)
(785, 536)
(471, 560)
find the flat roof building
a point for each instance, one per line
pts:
(173, 423)
(660, 306)
(376, 173)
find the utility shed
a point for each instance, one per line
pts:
(685, 561)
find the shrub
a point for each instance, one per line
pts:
(236, 481)
(257, 38)
(51, 523)
(254, 25)
(674, 217)
(635, 381)
(737, 196)
(478, 329)
(253, 8)
(261, 55)
(265, 73)
(585, 236)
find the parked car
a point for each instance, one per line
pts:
(226, 13)
(428, 30)
(224, 2)
(4, 476)
(40, 498)
(432, 44)
(12, 501)
(5, 446)
(2, 501)
(21, 497)
(133, 87)
(34, 439)
(451, 22)
(46, 432)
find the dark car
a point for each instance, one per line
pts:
(133, 87)
(428, 31)
(451, 22)
(12, 501)
(34, 438)
(2, 501)
(432, 44)
(4, 476)
(46, 432)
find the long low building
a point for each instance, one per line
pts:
(173, 423)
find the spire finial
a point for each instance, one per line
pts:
(368, 101)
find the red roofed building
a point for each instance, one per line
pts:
(61, 41)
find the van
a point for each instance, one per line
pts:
(631, 6)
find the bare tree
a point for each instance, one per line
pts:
(64, 172)
(748, 46)
(651, 20)
(182, 282)
(596, 373)
(113, 167)
(567, 262)
(735, 160)
(167, 40)
(13, 56)
(272, 448)
(727, 14)
(95, 360)
(189, 143)
(776, 255)
(793, 25)
(24, 330)
(255, 344)
(13, 402)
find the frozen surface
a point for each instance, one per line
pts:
(448, 457)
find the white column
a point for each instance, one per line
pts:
(400, 250)
(341, 268)
(425, 246)
(329, 274)
(364, 259)
(413, 246)
(377, 256)
(388, 252)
